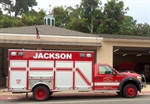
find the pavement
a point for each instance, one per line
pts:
(4, 95)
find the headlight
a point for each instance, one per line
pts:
(139, 78)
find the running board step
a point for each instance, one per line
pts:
(102, 91)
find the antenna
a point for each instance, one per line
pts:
(49, 9)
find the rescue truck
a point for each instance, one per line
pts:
(44, 72)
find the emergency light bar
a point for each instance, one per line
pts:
(88, 55)
(20, 53)
(13, 53)
(82, 55)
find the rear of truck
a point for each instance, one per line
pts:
(45, 72)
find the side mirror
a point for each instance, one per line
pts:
(114, 72)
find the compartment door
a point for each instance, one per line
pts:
(18, 75)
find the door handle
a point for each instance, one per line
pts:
(98, 77)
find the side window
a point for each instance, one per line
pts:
(101, 70)
(105, 70)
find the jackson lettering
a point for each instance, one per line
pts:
(52, 56)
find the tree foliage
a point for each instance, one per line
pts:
(127, 26)
(26, 19)
(113, 17)
(142, 29)
(77, 24)
(19, 7)
(90, 9)
(6, 5)
(90, 16)
(61, 14)
(23, 6)
(76, 20)
(30, 18)
(6, 21)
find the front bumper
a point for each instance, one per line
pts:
(143, 81)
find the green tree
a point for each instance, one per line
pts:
(22, 6)
(6, 21)
(77, 24)
(113, 17)
(92, 12)
(61, 16)
(6, 5)
(141, 29)
(85, 17)
(75, 21)
(30, 18)
(126, 28)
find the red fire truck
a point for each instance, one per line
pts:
(44, 72)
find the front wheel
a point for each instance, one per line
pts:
(41, 93)
(130, 91)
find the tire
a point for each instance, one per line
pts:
(130, 91)
(41, 93)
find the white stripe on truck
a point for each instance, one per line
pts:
(107, 84)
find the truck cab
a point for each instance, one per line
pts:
(109, 79)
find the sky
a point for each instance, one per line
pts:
(139, 9)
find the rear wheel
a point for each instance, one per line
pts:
(41, 93)
(130, 91)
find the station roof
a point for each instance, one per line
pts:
(44, 30)
(52, 30)
(56, 31)
(35, 42)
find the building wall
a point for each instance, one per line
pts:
(128, 42)
(104, 54)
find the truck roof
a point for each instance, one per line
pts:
(19, 54)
